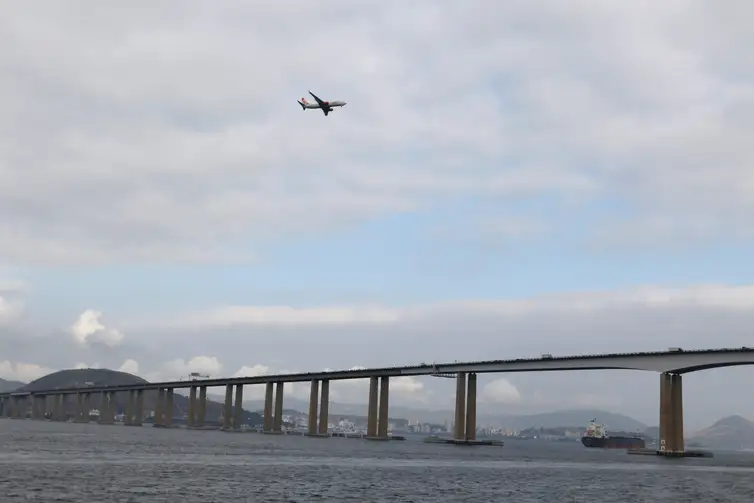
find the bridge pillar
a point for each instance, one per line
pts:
(104, 407)
(139, 409)
(81, 404)
(18, 407)
(318, 418)
(382, 421)
(38, 406)
(471, 408)
(68, 403)
(228, 406)
(168, 422)
(113, 406)
(159, 408)
(379, 398)
(190, 420)
(671, 414)
(58, 408)
(202, 412)
(278, 418)
(109, 417)
(459, 428)
(678, 440)
(372, 409)
(128, 420)
(464, 429)
(238, 411)
(313, 405)
(324, 407)
(268, 405)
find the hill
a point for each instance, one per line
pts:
(77, 378)
(6, 386)
(578, 418)
(732, 432)
(569, 418)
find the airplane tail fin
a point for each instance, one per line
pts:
(303, 103)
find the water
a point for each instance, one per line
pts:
(89, 463)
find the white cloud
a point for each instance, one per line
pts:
(500, 391)
(724, 297)
(82, 365)
(130, 366)
(24, 372)
(180, 369)
(253, 371)
(585, 102)
(87, 330)
(286, 315)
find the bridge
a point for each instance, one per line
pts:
(671, 365)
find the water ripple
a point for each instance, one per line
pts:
(48, 462)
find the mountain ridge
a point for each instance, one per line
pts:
(7, 385)
(728, 433)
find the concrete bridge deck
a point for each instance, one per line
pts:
(674, 361)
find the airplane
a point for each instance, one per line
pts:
(325, 106)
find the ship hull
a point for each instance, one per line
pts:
(613, 442)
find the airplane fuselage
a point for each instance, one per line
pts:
(325, 106)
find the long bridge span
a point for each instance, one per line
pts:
(671, 365)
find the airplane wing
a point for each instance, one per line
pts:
(325, 111)
(321, 103)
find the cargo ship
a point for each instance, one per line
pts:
(596, 436)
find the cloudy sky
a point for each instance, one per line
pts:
(507, 179)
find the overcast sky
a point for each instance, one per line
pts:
(507, 179)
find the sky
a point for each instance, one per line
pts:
(507, 179)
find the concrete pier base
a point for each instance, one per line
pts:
(667, 454)
(453, 441)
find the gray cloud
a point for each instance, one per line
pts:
(169, 133)
(176, 129)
